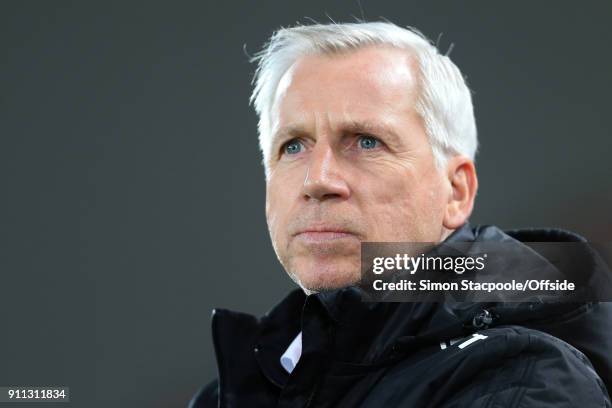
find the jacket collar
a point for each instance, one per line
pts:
(352, 330)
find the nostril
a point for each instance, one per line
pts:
(325, 189)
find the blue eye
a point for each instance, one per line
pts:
(293, 147)
(368, 142)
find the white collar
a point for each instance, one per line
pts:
(291, 356)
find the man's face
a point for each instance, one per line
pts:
(350, 162)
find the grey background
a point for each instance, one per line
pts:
(132, 198)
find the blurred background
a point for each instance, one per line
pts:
(132, 195)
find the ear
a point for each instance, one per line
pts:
(463, 183)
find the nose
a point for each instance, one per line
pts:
(323, 176)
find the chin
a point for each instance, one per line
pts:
(325, 280)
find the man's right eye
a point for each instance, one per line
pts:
(293, 146)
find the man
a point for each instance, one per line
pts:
(368, 135)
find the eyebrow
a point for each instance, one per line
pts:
(353, 126)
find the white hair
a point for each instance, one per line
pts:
(444, 103)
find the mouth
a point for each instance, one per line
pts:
(324, 234)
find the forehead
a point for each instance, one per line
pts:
(366, 84)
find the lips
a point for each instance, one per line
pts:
(323, 234)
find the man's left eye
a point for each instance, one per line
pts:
(368, 142)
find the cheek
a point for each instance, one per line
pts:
(277, 208)
(401, 206)
(272, 210)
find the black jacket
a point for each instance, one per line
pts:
(359, 354)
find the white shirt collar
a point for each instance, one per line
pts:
(291, 356)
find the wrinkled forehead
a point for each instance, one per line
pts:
(356, 85)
